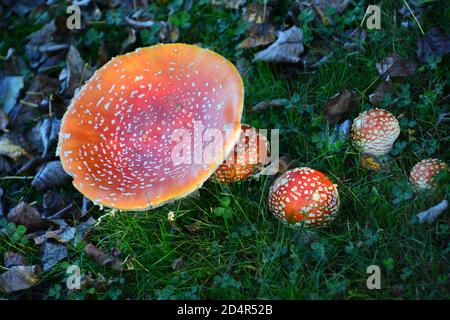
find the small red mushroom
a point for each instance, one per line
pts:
(248, 156)
(116, 137)
(304, 196)
(374, 131)
(424, 172)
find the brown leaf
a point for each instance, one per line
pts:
(11, 259)
(64, 234)
(275, 103)
(384, 88)
(395, 66)
(260, 31)
(102, 258)
(18, 278)
(14, 64)
(50, 175)
(287, 48)
(76, 71)
(11, 150)
(52, 203)
(24, 214)
(339, 107)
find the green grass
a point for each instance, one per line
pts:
(252, 254)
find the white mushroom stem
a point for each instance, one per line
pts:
(431, 214)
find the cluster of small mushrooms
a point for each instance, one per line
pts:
(116, 138)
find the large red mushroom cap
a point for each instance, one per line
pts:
(249, 155)
(424, 172)
(304, 196)
(375, 131)
(117, 136)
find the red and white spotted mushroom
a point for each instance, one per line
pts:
(374, 131)
(304, 196)
(249, 155)
(116, 137)
(423, 173)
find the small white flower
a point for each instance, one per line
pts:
(171, 216)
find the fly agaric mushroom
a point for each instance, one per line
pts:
(117, 136)
(248, 156)
(424, 172)
(375, 131)
(304, 196)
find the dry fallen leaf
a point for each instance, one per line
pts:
(18, 278)
(5, 165)
(428, 216)
(395, 66)
(435, 43)
(4, 119)
(10, 88)
(50, 175)
(339, 107)
(52, 203)
(24, 214)
(341, 132)
(10, 149)
(263, 105)
(76, 71)
(259, 31)
(384, 88)
(11, 259)
(102, 258)
(51, 254)
(64, 234)
(287, 48)
(49, 129)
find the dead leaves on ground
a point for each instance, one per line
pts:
(19, 278)
(434, 44)
(103, 258)
(50, 175)
(339, 107)
(287, 48)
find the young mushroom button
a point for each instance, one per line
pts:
(304, 196)
(375, 131)
(248, 156)
(133, 136)
(424, 172)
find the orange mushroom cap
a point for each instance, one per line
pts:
(424, 172)
(304, 196)
(116, 137)
(248, 156)
(375, 131)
